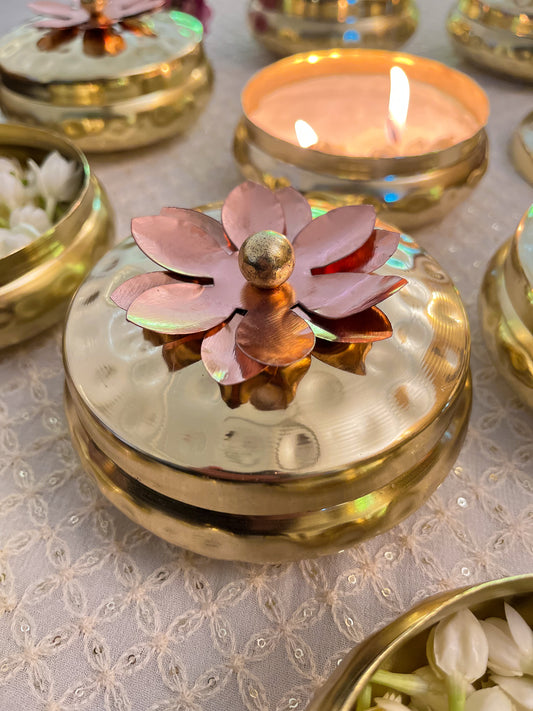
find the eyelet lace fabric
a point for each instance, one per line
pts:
(98, 614)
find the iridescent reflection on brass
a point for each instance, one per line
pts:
(401, 645)
(406, 191)
(495, 34)
(117, 104)
(224, 477)
(288, 27)
(37, 281)
(522, 148)
(506, 305)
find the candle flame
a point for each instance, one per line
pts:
(305, 134)
(398, 103)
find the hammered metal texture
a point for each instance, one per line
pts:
(153, 89)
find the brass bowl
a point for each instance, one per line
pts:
(401, 646)
(522, 148)
(495, 35)
(346, 458)
(38, 280)
(507, 311)
(407, 191)
(285, 28)
(154, 89)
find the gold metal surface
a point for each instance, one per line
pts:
(506, 305)
(406, 191)
(302, 25)
(495, 34)
(401, 646)
(37, 281)
(152, 90)
(348, 457)
(522, 148)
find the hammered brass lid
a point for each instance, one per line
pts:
(336, 419)
(56, 75)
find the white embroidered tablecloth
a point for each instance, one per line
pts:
(97, 614)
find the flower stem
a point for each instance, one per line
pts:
(365, 699)
(404, 683)
(456, 693)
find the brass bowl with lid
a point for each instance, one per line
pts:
(506, 307)
(38, 280)
(401, 646)
(495, 34)
(153, 89)
(347, 457)
(288, 27)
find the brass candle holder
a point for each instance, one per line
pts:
(406, 190)
(294, 462)
(494, 34)
(38, 280)
(522, 148)
(401, 646)
(507, 309)
(285, 28)
(106, 83)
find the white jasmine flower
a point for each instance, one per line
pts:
(10, 241)
(459, 647)
(491, 699)
(12, 166)
(389, 702)
(519, 690)
(510, 644)
(56, 180)
(13, 194)
(458, 650)
(31, 217)
(435, 696)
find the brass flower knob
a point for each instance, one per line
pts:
(266, 259)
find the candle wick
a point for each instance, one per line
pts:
(394, 134)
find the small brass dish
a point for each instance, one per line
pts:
(153, 89)
(285, 28)
(38, 280)
(401, 646)
(346, 457)
(506, 307)
(495, 34)
(407, 191)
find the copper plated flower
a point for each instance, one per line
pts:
(96, 19)
(273, 316)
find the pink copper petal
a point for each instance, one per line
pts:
(344, 294)
(180, 244)
(275, 337)
(126, 293)
(296, 209)
(211, 226)
(57, 10)
(128, 8)
(179, 309)
(371, 255)
(333, 235)
(365, 327)
(250, 208)
(224, 360)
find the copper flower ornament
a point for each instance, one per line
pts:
(100, 21)
(273, 316)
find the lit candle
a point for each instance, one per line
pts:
(356, 115)
(404, 133)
